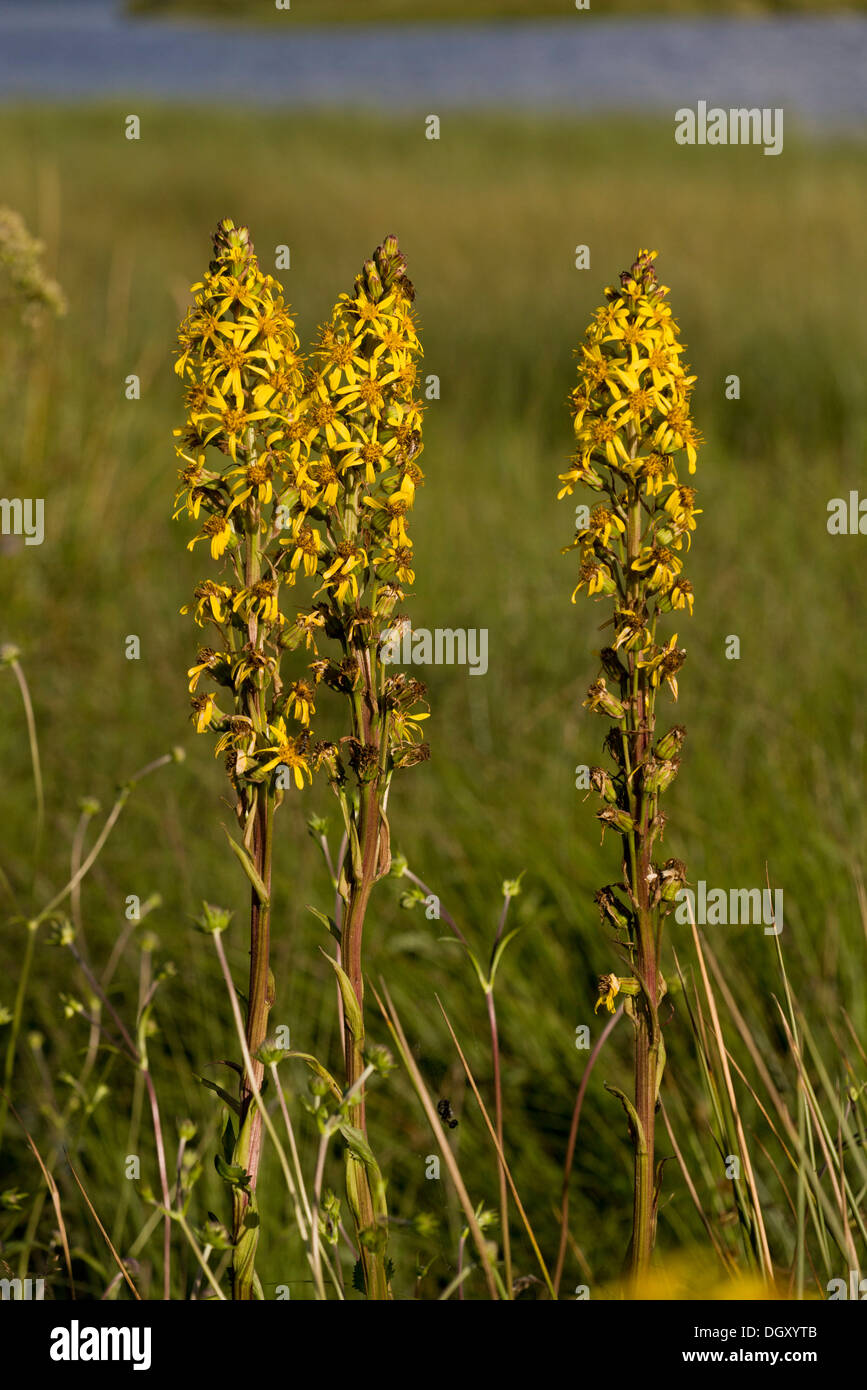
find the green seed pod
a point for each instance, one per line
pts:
(670, 744)
(603, 783)
(612, 908)
(659, 774)
(672, 877)
(617, 819)
(601, 701)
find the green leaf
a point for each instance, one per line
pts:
(329, 922)
(246, 862)
(660, 1064)
(232, 1173)
(228, 1139)
(636, 1128)
(501, 946)
(483, 979)
(351, 1006)
(358, 1146)
(231, 1101)
(315, 1065)
(355, 852)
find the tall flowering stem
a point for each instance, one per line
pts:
(633, 429)
(357, 441)
(243, 376)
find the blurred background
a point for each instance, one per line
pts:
(557, 130)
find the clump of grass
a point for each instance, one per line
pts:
(314, 12)
(796, 1174)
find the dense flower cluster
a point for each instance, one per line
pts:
(318, 474)
(631, 414)
(354, 445)
(633, 427)
(240, 362)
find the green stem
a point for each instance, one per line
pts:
(364, 870)
(498, 1102)
(34, 758)
(645, 1018)
(358, 1186)
(248, 1150)
(17, 1013)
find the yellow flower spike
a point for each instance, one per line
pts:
(243, 444)
(633, 431)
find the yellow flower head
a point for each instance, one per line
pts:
(362, 436)
(238, 355)
(633, 427)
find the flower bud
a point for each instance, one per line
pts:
(379, 1057)
(213, 919)
(399, 865)
(670, 744)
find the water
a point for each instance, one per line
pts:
(816, 68)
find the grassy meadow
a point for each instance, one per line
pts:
(764, 257)
(466, 11)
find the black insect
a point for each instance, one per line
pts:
(444, 1110)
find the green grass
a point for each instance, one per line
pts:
(762, 256)
(308, 12)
